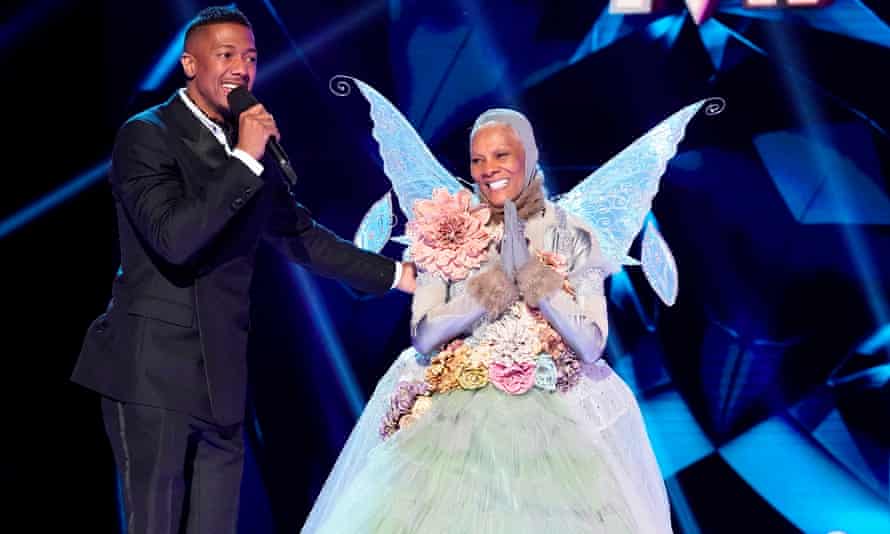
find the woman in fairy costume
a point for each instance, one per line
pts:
(505, 419)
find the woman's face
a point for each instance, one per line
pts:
(497, 163)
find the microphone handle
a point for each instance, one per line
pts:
(281, 158)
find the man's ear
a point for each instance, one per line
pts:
(188, 65)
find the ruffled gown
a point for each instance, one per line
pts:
(486, 461)
(503, 430)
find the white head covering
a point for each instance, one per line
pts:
(523, 128)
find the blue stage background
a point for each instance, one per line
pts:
(766, 388)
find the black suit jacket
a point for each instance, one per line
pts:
(190, 219)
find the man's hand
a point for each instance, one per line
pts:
(408, 281)
(255, 127)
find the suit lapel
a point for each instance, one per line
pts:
(195, 135)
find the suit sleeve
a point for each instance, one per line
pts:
(148, 182)
(302, 240)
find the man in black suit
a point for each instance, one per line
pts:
(169, 354)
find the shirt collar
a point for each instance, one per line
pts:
(214, 128)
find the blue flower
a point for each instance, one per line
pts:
(545, 373)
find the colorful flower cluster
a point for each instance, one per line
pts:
(514, 354)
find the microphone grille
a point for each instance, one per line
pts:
(240, 99)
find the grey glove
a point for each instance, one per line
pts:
(541, 287)
(495, 288)
(514, 248)
(581, 334)
(445, 322)
(534, 279)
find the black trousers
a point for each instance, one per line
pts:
(179, 474)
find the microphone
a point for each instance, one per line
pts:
(239, 100)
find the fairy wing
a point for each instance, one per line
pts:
(376, 226)
(659, 265)
(615, 199)
(407, 161)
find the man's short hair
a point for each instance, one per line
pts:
(216, 15)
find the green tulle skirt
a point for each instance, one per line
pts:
(484, 461)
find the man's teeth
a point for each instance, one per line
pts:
(230, 86)
(500, 184)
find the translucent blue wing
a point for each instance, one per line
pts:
(376, 226)
(407, 161)
(615, 199)
(402, 240)
(659, 265)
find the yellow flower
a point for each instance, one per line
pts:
(473, 376)
(442, 357)
(407, 420)
(421, 406)
(537, 347)
(442, 372)
(461, 353)
(480, 354)
(433, 375)
(448, 383)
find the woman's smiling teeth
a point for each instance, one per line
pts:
(498, 185)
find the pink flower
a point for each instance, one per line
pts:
(555, 261)
(448, 237)
(514, 378)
